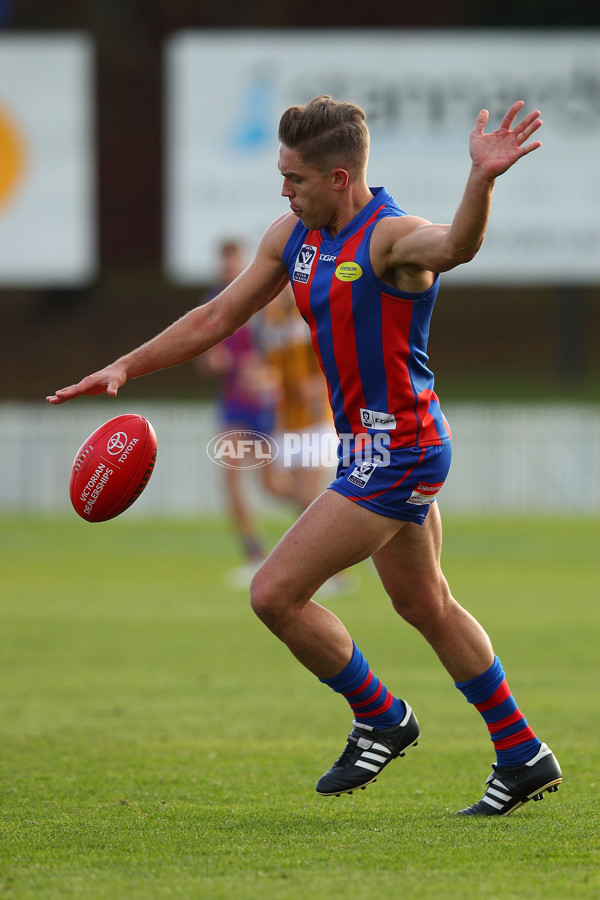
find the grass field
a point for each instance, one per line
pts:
(158, 742)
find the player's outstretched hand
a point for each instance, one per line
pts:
(499, 150)
(106, 381)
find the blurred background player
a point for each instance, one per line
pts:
(247, 402)
(303, 413)
(304, 427)
(271, 382)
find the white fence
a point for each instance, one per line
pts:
(507, 458)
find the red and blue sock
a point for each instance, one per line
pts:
(370, 700)
(514, 741)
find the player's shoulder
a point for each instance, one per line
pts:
(275, 237)
(281, 228)
(397, 226)
(390, 229)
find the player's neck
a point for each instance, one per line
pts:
(354, 200)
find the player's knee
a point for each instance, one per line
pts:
(265, 599)
(274, 599)
(260, 597)
(421, 603)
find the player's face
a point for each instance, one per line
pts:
(308, 190)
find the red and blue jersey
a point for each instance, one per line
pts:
(370, 338)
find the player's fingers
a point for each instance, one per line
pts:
(529, 147)
(510, 115)
(62, 395)
(528, 125)
(90, 386)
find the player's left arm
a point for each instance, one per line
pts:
(437, 248)
(202, 327)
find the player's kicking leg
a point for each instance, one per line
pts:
(331, 535)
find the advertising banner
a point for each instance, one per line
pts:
(47, 190)
(422, 91)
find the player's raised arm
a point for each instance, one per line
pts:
(202, 327)
(497, 151)
(491, 155)
(438, 248)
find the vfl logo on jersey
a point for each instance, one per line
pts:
(348, 271)
(304, 262)
(361, 474)
(380, 421)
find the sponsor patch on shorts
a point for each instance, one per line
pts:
(424, 493)
(361, 474)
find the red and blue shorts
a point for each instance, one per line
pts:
(401, 487)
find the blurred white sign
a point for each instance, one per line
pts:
(47, 215)
(422, 91)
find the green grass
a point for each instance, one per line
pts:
(158, 742)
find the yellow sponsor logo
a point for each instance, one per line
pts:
(348, 271)
(12, 156)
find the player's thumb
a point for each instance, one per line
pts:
(481, 120)
(112, 388)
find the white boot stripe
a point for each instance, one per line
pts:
(491, 802)
(500, 794)
(365, 765)
(382, 748)
(376, 757)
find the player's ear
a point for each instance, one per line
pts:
(340, 179)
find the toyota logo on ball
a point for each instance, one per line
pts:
(117, 443)
(251, 449)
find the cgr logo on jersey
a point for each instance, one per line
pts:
(348, 271)
(304, 262)
(380, 421)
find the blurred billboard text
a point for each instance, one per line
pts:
(422, 91)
